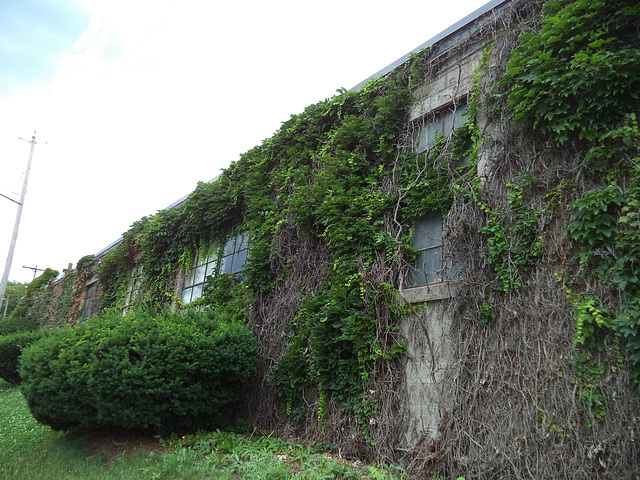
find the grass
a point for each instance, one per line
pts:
(18, 430)
(29, 450)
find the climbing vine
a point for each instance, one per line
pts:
(26, 303)
(324, 174)
(329, 203)
(338, 181)
(578, 76)
(514, 237)
(545, 318)
(578, 80)
(335, 193)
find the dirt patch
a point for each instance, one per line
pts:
(112, 443)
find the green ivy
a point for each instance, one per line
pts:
(224, 293)
(323, 173)
(26, 303)
(85, 266)
(114, 270)
(514, 236)
(335, 194)
(593, 320)
(329, 174)
(577, 80)
(606, 227)
(580, 73)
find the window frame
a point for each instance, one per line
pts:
(440, 123)
(89, 303)
(234, 249)
(426, 244)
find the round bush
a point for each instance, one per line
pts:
(11, 347)
(18, 324)
(170, 372)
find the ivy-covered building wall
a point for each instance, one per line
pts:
(440, 266)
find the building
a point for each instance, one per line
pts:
(425, 275)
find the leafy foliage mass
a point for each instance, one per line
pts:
(337, 177)
(14, 292)
(341, 176)
(327, 174)
(11, 347)
(23, 309)
(514, 238)
(30, 450)
(18, 324)
(175, 371)
(578, 81)
(580, 75)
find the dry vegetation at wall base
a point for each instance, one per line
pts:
(542, 223)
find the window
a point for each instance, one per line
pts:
(196, 278)
(91, 301)
(429, 267)
(443, 122)
(234, 255)
(231, 258)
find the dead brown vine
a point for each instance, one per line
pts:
(515, 408)
(299, 263)
(510, 404)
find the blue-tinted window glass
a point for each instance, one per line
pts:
(230, 246)
(199, 274)
(186, 295)
(197, 291)
(239, 261)
(442, 123)
(230, 258)
(429, 265)
(427, 232)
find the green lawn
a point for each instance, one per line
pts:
(19, 432)
(31, 451)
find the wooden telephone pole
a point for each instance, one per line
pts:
(14, 238)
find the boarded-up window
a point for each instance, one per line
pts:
(429, 266)
(440, 124)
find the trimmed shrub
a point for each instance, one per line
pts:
(11, 347)
(169, 373)
(18, 324)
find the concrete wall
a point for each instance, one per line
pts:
(452, 82)
(430, 351)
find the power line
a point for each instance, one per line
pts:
(9, 198)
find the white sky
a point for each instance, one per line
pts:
(139, 100)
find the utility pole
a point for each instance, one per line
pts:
(14, 238)
(35, 270)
